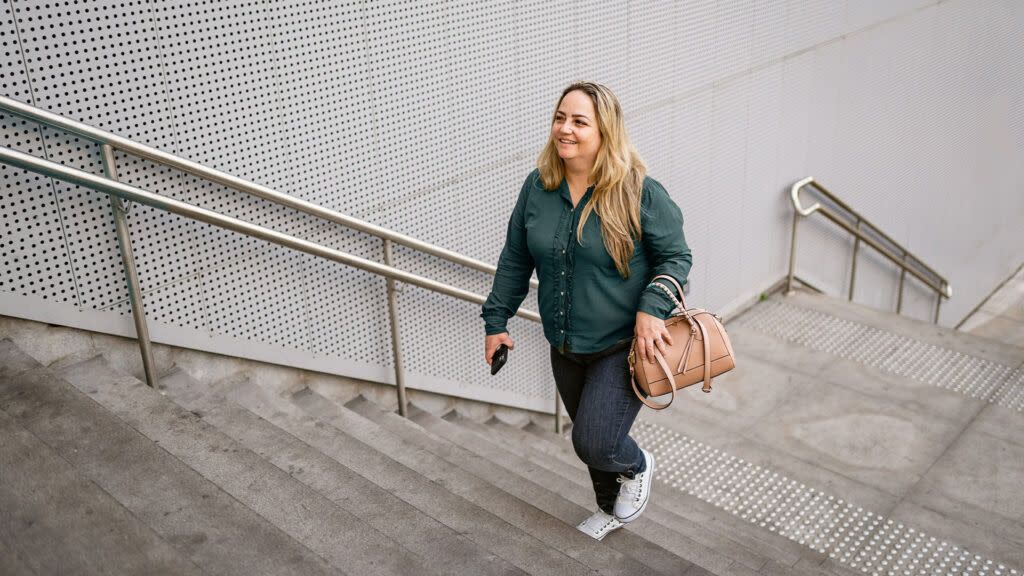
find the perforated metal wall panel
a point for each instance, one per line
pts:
(425, 117)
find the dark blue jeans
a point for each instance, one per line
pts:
(597, 394)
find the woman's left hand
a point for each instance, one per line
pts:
(650, 332)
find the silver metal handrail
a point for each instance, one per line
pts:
(118, 191)
(864, 231)
(135, 194)
(101, 136)
(124, 191)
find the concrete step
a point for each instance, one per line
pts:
(551, 449)
(561, 447)
(688, 515)
(439, 494)
(206, 525)
(12, 565)
(767, 357)
(710, 550)
(784, 553)
(336, 535)
(766, 552)
(55, 521)
(964, 342)
(653, 546)
(542, 432)
(439, 547)
(555, 532)
(694, 543)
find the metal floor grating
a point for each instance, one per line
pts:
(855, 537)
(890, 352)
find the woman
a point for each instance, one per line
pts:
(596, 229)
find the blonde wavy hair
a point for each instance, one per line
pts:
(618, 176)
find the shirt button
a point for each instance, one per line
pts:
(563, 272)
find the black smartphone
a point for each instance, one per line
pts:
(499, 358)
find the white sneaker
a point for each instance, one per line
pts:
(599, 525)
(634, 493)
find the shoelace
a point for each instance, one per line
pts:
(630, 486)
(606, 524)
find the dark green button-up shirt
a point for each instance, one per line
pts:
(585, 305)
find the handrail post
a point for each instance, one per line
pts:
(938, 302)
(903, 276)
(395, 342)
(853, 264)
(792, 254)
(558, 413)
(131, 278)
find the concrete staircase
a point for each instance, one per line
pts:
(100, 474)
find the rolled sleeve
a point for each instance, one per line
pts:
(515, 266)
(666, 248)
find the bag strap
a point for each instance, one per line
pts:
(671, 296)
(671, 380)
(675, 283)
(707, 356)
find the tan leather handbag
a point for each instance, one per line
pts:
(701, 351)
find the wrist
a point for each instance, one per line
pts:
(492, 330)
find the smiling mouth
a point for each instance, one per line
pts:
(566, 141)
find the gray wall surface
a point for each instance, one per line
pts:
(426, 118)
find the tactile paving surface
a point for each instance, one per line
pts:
(889, 352)
(846, 532)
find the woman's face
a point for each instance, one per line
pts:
(575, 130)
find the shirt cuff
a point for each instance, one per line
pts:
(494, 328)
(655, 302)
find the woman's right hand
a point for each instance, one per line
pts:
(492, 342)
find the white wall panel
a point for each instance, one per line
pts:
(410, 65)
(769, 31)
(762, 190)
(34, 256)
(659, 32)
(106, 73)
(694, 43)
(325, 102)
(607, 35)
(545, 49)
(733, 33)
(814, 22)
(725, 205)
(677, 143)
(478, 105)
(426, 117)
(824, 250)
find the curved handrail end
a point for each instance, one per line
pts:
(794, 193)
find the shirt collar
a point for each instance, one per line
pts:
(563, 190)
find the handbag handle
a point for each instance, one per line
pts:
(671, 380)
(679, 289)
(678, 306)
